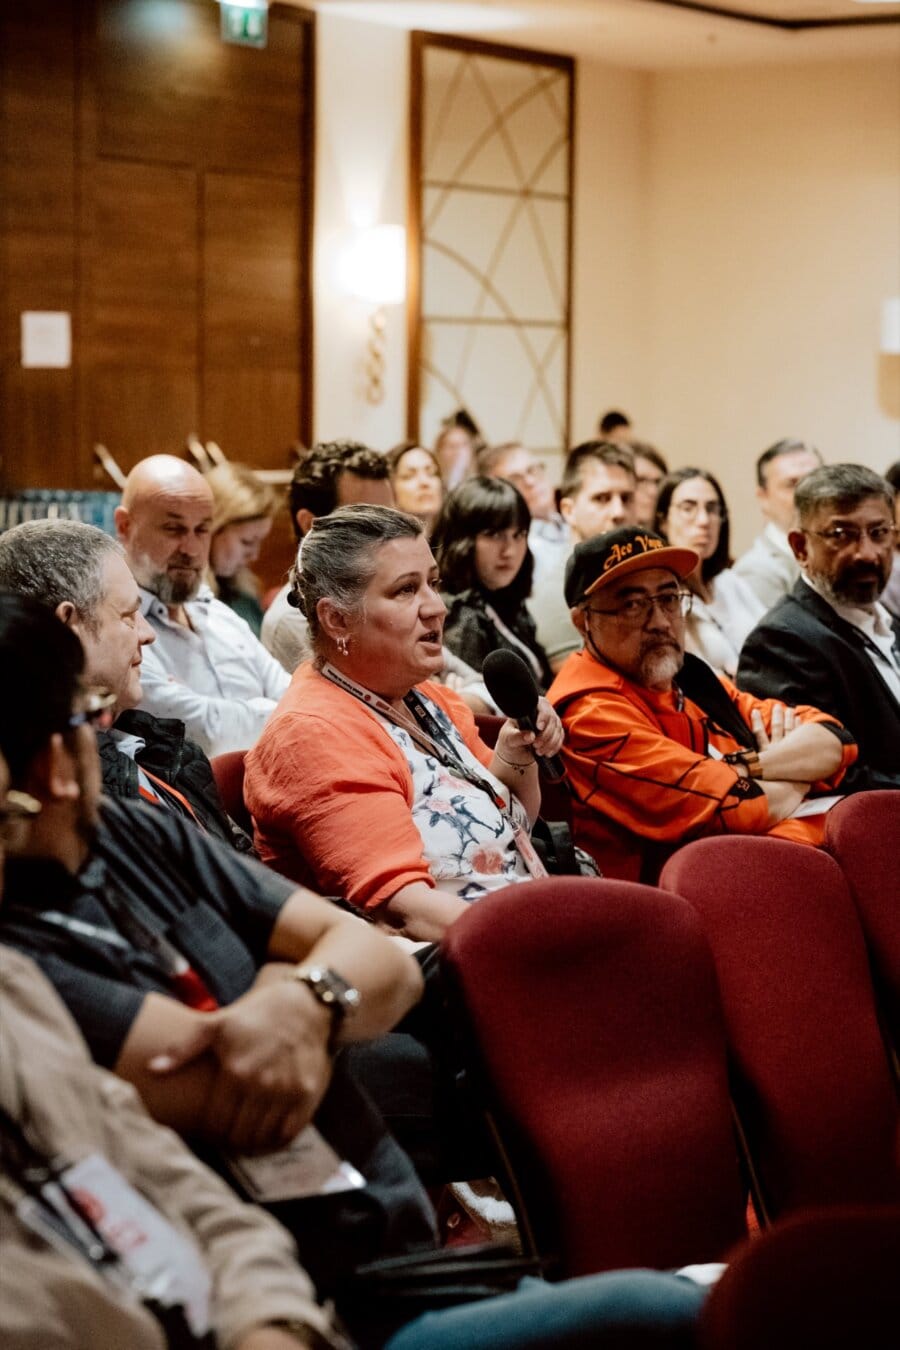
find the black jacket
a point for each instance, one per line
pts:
(804, 652)
(168, 755)
(471, 633)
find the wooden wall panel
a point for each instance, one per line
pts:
(251, 312)
(38, 263)
(169, 89)
(157, 185)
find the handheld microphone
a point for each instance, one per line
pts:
(512, 687)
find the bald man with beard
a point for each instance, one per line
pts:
(206, 667)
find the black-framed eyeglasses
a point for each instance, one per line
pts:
(843, 536)
(637, 610)
(99, 710)
(17, 810)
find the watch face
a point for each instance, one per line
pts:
(331, 989)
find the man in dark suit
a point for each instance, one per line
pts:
(829, 642)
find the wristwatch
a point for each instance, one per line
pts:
(333, 992)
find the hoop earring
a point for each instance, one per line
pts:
(343, 645)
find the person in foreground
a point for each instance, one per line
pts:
(659, 749)
(224, 1274)
(233, 1265)
(399, 806)
(831, 641)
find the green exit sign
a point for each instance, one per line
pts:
(247, 25)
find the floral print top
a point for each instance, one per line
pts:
(468, 842)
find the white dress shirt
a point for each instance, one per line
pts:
(874, 622)
(216, 676)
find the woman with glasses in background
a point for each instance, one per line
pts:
(481, 546)
(691, 513)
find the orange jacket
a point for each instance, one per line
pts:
(641, 776)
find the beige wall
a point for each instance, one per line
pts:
(362, 101)
(735, 234)
(774, 235)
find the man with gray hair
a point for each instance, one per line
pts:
(830, 642)
(81, 574)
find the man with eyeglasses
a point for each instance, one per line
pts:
(81, 574)
(659, 749)
(831, 641)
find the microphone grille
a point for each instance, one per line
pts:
(510, 684)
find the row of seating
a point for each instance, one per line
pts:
(614, 1028)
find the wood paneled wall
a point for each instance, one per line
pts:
(157, 185)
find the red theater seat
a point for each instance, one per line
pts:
(863, 834)
(592, 1024)
(824, 1280)
(811, 1077)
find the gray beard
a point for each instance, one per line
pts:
(659, 667)
(172, 592)
(167, 590)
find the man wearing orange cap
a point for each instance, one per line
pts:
(659, 749)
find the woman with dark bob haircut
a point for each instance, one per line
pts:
(481, 546)
(691, 513)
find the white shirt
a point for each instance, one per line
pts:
(215, 676)
(551, 542)
(716, 629)
(874, 621)
(769, 567)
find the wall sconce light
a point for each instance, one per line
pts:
(890, 326)
(373, 268)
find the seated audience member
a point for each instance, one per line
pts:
(481, 546)
(213, 985)
(614, 426)
(238, 1276)
(830, 642)
(597, 493)
(81, 574)
(332, 474)
(206, 667)
(457, 444)
(769, 567)
(243, 510)
(658, 749)
(890, 597)
(691, 513)
(226, 1266)
(400, 807)
(649, 470)
(344, 473)
(416, 481)
(518, 466)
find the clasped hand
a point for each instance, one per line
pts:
(270, 1065)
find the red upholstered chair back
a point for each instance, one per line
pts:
(592, 1024)
(228, 771)
(863, 834)
(811, 1078)
(556, 803)
(828, 1279)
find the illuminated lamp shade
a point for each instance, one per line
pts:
(373, 268)
(890, 326)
